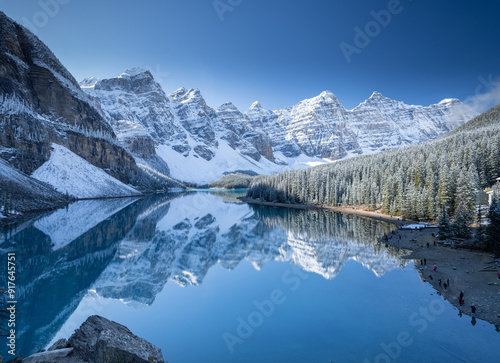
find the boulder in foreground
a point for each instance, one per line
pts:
(100, 340)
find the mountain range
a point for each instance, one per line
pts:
(136, 138)
(200, 144)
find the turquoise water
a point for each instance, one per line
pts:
(208, 279)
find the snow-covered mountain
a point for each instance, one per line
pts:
(41, 104)
(322, 127)
(200, 144)
(129, 128)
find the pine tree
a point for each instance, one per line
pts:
(465, 204)
(444, 224)
(493, 228)
(480, 237)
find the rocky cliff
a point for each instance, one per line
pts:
(41, 103)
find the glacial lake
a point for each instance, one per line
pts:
(207, 278)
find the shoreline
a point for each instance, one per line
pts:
(464, 268)
(472, 271)
(359, 212)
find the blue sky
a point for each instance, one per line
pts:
(279, 52)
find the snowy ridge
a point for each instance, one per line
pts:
(200, 144)
(71, 174)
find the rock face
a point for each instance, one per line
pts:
(100, 340)
(201, 144)
(41, 103)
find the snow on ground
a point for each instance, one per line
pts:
(194, 169)
(69, 173)
(65, 225)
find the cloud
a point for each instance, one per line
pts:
(487, 94)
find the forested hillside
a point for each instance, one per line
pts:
(414, 182)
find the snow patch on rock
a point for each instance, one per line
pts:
(71, 174)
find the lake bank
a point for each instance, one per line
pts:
(464, 268)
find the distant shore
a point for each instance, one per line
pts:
(464, 268)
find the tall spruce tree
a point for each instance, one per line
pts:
(464, 204)
(444, 224)
(493, 228)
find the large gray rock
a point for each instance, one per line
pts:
(102, 340)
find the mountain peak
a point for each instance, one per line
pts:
(135, 71)
(327, 94)
(376, 94)
(88, 82)
(449, 101)
(256, 106)
(180, 91)
(187, 95)
(376, 97)
(228, 106)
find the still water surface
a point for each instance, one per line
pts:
(209, 279)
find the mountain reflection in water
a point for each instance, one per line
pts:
(128, 249)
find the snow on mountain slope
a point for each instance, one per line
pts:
(65, 225)
(69, 173)
(201, 171)
(200, 143)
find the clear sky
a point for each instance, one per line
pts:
(279, 52)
